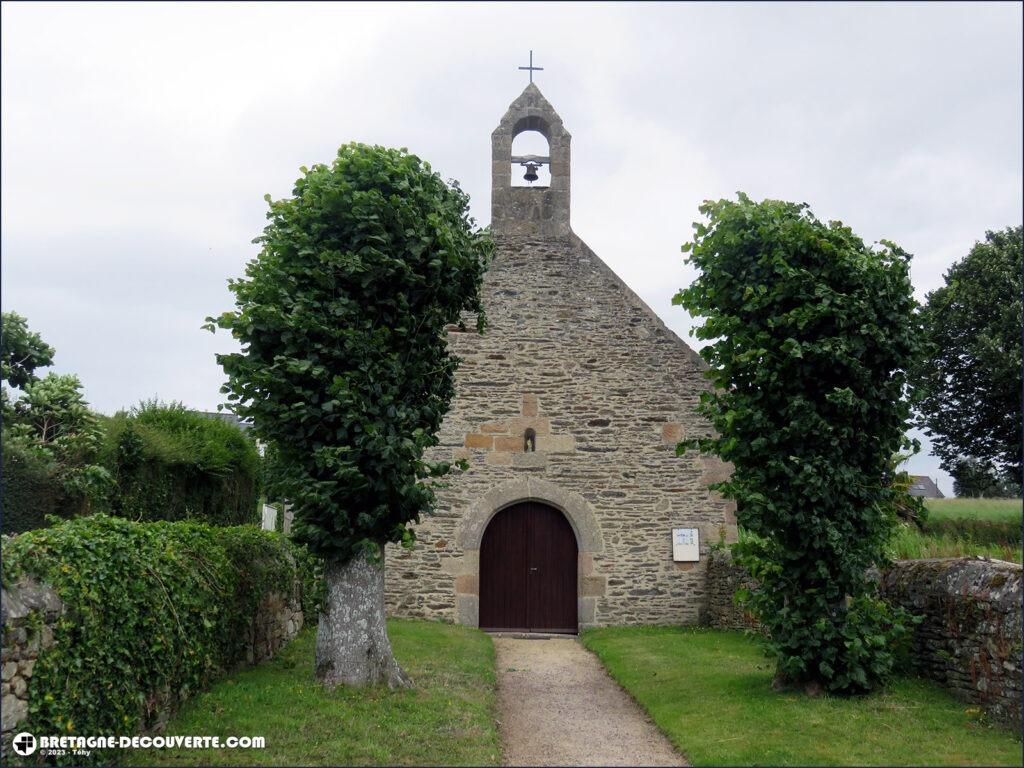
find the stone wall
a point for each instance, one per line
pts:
(31, 611)
(724, 578)
(573, 354)
(969, 639)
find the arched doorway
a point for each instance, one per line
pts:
(528, 571)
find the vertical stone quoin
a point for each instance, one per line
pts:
(575, 397)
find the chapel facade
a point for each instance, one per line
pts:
(568, 410)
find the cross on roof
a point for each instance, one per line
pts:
(532, 68)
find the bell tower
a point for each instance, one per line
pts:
(530, 210)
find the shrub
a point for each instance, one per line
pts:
(53, 435)
(170, 463)
(151, 609)
(32, 487)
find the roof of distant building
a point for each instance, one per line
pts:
(924, 487)
(230, 418)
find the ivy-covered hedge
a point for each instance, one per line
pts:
(169, 463)
(151, 610)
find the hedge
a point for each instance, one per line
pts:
(150, 609)
(169, 463)
(30, 486)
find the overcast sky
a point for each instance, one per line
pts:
(139, 140)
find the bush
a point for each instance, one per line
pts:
(53, 439)
(151, 609)
(32, 486)
(169, 463)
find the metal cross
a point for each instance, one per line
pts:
(532, 68)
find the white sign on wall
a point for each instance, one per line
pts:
(685, 545)
(269, 518)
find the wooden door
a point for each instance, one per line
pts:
(528, 571)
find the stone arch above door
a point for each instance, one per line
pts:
(576, 509)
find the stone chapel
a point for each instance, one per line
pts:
(568, 410)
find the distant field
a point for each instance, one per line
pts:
(964, 527)
(908, 543)
(1003, 510)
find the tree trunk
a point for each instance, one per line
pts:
(352, 646)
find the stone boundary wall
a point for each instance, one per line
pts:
(31, 610)
(969, 639)
(724, 578)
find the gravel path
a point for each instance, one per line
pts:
(558, 706)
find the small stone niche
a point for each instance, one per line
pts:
(529, 440)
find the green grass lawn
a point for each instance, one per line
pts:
(1004, 510)
(709, 691)
(447, 719)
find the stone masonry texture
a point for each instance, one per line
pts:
(970, 636)
(724, 579)
(573, 354)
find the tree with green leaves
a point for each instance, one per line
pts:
(974, 479)
(49, 433)
(968, 385)
(21, 352)
(54, 418)
(811, 333)
(345, 371)
(54, 412)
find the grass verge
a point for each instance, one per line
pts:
(709, 692)
(963, 528)
(909, 543)
(447, 719)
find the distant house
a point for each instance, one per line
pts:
(925, 487)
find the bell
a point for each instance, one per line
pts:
(531, 172)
